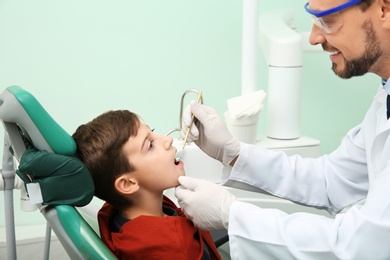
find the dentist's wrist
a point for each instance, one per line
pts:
(234, 160)
(231, 151)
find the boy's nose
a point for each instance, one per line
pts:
(168, 140)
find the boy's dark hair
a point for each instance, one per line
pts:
(100, 146)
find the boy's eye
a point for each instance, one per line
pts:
(151, 144)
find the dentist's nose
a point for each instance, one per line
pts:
(316, 36)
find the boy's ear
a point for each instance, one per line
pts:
(126, 185)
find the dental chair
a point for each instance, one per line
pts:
(30, 133)
(56, 181)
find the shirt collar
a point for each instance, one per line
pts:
(386, 85)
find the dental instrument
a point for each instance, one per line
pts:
(178, 155)
(181, 109)
(179, 147)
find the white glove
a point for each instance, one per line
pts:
(210, 133)
(205, 203)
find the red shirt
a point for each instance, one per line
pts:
(151, 237)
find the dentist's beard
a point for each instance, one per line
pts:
(361, 65)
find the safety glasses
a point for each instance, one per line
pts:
(329, 21)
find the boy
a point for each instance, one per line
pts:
(131, 167)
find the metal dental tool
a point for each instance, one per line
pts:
(178, 155)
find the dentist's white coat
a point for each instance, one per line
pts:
(359, 169)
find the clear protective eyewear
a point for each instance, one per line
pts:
(329, 20)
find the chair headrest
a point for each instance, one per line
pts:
(62, 179)
(45, 151)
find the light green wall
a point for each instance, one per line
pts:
(81, 58)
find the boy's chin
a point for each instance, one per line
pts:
(177, 182)
(182, 173)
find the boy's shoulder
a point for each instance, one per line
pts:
(137, 237)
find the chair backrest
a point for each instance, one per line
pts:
(24, 119)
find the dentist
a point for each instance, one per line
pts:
(355, 176)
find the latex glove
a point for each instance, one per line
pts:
(210, 133)
(205, 203)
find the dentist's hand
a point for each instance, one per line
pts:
(210, 133)
(205, 203)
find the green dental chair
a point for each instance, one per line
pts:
(65, 184)
(45, 153)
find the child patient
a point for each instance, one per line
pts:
(131, 167)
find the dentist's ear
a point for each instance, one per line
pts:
(385, 11)
(126, 185)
